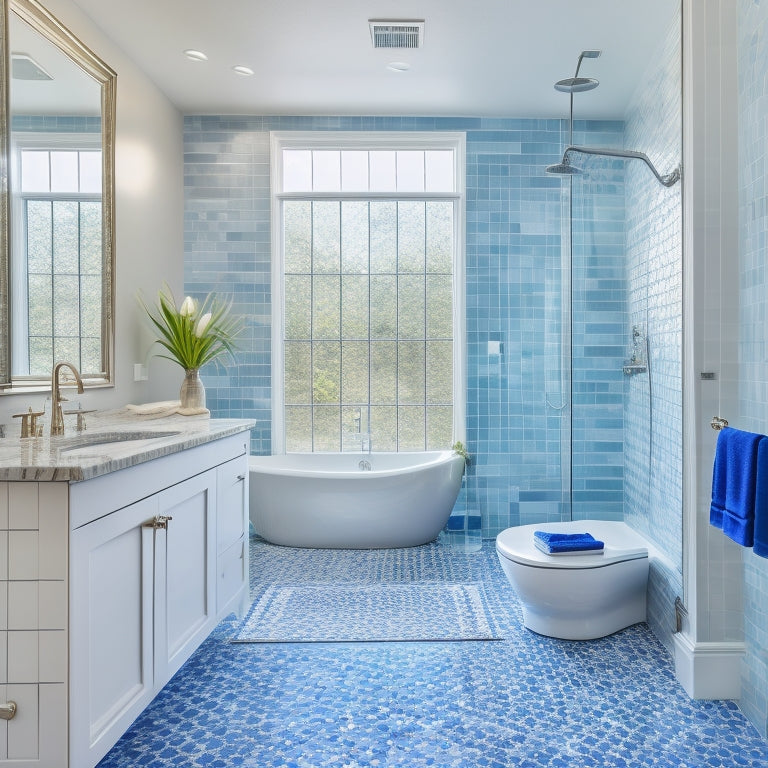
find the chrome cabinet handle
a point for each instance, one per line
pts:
(7, 710)
(240, 478)
(159, 522)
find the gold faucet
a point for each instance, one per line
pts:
(57, 417)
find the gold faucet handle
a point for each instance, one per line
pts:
(80, 412)
(29, 426)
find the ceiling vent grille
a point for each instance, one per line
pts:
(397, 34)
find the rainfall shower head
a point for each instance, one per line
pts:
(578, 84)
(564, 168)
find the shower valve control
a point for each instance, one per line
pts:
(638, 360)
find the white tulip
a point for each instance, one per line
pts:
(187, 307)
(202, 324)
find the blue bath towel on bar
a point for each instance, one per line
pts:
(741, 479)
(557, 543)
(719, 478)
(761, 501)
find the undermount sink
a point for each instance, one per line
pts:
(83, 442)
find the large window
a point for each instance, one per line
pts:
(368, 342)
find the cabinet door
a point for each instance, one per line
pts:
(185, 562)
(111, 644)
(232, 502)
(232, 536)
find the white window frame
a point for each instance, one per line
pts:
(402, 140)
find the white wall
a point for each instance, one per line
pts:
(149, 221)
(710, 647)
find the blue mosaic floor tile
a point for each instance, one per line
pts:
(526, 701)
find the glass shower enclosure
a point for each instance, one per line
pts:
(575, 345)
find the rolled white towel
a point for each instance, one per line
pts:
(161, 408)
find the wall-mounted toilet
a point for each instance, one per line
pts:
(578, 596)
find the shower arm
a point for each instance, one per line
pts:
(628, 154)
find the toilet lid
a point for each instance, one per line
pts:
(516, 544)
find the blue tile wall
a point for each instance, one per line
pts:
(56, 123)
(516, 431)
(753, 302)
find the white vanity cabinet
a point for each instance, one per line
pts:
(157, 555)
(111, 628)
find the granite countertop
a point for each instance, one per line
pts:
(112, 440)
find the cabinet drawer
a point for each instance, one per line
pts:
(232, 492)
(230, 573)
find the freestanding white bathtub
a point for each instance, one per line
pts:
(336, 501)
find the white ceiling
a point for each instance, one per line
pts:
(480, 57)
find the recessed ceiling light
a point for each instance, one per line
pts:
(241, 70)
(398, 66)
(194, 55)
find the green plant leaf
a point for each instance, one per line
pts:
(176, 331)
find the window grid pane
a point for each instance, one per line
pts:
(64, 172)
(383, 171)
(90, 172)
(354, 171)
(410, 171)
(438, 170)
(35, 171)
(297, 170)
(326, 171)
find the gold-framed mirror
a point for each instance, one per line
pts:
(57, 238)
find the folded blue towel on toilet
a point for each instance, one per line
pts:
(557, 543)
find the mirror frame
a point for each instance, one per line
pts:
(42, 21)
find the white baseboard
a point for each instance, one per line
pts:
(708, 670)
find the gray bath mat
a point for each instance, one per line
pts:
(324, 613)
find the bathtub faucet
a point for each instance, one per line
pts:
(363, 437)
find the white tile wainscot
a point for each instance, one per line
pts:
(108, 585)
(33, 613)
